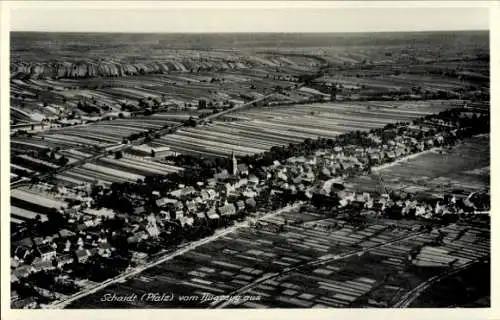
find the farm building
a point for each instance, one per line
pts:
(147, 151)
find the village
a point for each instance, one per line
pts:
(100, 231)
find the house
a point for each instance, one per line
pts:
(358, 205)
(391, 155)
(165, 215)
(39, 264)
(308, 177)
(200, 215)
(343, 202)
(133, 239)
(253, 180)
(139, 257)
(186, 221)
(65, 233)
(103, 212)
(14, 263)
(204, 195)
(212, 182)
(369, 203)
(82, 255)
(92, 222)
(47, 251)
(359, 151)
(104, 250)
(165, 201)
(347, 195)
(22, 271)
(378, 206)
(198, 200)
(64, 259)
(39, 240)
(177, 193)
(212, 215)
(190, 206)
(139, 210)
(242, 169)
(26, 303)
(179, 206)
(187, 191)
(240, 206)
(300, 159)
(22, 252)
(81, 227)
(308, 194)
(249, 193)
(14, 295)
(250, 203)
(362, 197)
(227, 210)
(326, 172)
(224, 174)
(179, 214)
(142, 235)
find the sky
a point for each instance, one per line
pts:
(247, 17)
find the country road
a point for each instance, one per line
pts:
(317, 262)
(169, 256)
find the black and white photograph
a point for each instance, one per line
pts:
(240, 155)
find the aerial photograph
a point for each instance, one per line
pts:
(166, 159)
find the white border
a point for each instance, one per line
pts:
(466, 314)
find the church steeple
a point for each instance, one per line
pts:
(152, 227)
(235, 164)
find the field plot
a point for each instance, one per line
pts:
(32, 203)
(389, 83)
(69, 141)
(301, 265)
(259, 129)
(466, 167)
(442, 295)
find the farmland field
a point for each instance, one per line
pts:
(299, 264)
(257, 130)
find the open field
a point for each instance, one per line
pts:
(464, 167)
(477, 295)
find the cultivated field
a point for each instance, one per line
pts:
(313, 262)
(258, 129)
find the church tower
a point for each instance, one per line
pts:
(235, 164)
